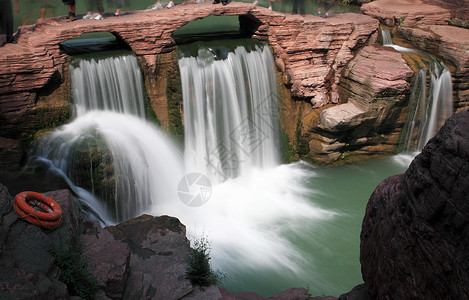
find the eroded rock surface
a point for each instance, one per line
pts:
(376, 84)
(416, 227)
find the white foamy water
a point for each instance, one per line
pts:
(110, 84)
(231, 136)
(146, 165)
(247, 218)
(230, 112)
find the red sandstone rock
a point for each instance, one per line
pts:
(107, 259)
(376, 82)
(407, 12)
(453, 44)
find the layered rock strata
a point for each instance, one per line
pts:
(426, 27)
(377, 84)
(310, 51)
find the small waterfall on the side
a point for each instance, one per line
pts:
(230, 112)
(109, 149)
(386, 36)
(430, 103)
(428, 110)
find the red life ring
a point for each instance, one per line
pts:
(28, 206)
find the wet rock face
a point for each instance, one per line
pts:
(416, 227)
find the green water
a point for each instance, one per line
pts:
(330, 248)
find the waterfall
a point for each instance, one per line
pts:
(109, 149)
(110, 84)
(230, 112)
(428, 110)
(386, 36)
(258, 210)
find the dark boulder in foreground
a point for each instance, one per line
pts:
(414, 239)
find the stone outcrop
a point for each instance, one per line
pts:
(27, 267)
(415, 230)
(376, 83)
(143, 257)
(162, 244)
(409, 12)
(450, 42)
(426, 27)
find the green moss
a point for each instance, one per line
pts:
(302, 146)
(286, 150)
(150, 114)
(175, 102)
(199, 271)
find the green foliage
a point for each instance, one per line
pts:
(199, 271)
(68, 258)
(401, 21)
(302, 146)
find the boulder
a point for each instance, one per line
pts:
(107, 259)
(376, 85)
(27, 267)
(415, 230)
(158, 258)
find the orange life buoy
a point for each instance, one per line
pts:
(28, 206)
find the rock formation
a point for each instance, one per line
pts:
(376, 83)
(427, 28)
(143, 257)
(310, 51)
(415, 230)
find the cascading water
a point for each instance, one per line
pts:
(232, 136)
(109, 149)
(263, 219)
(428, 110)
(111, 84)
(230, 112)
